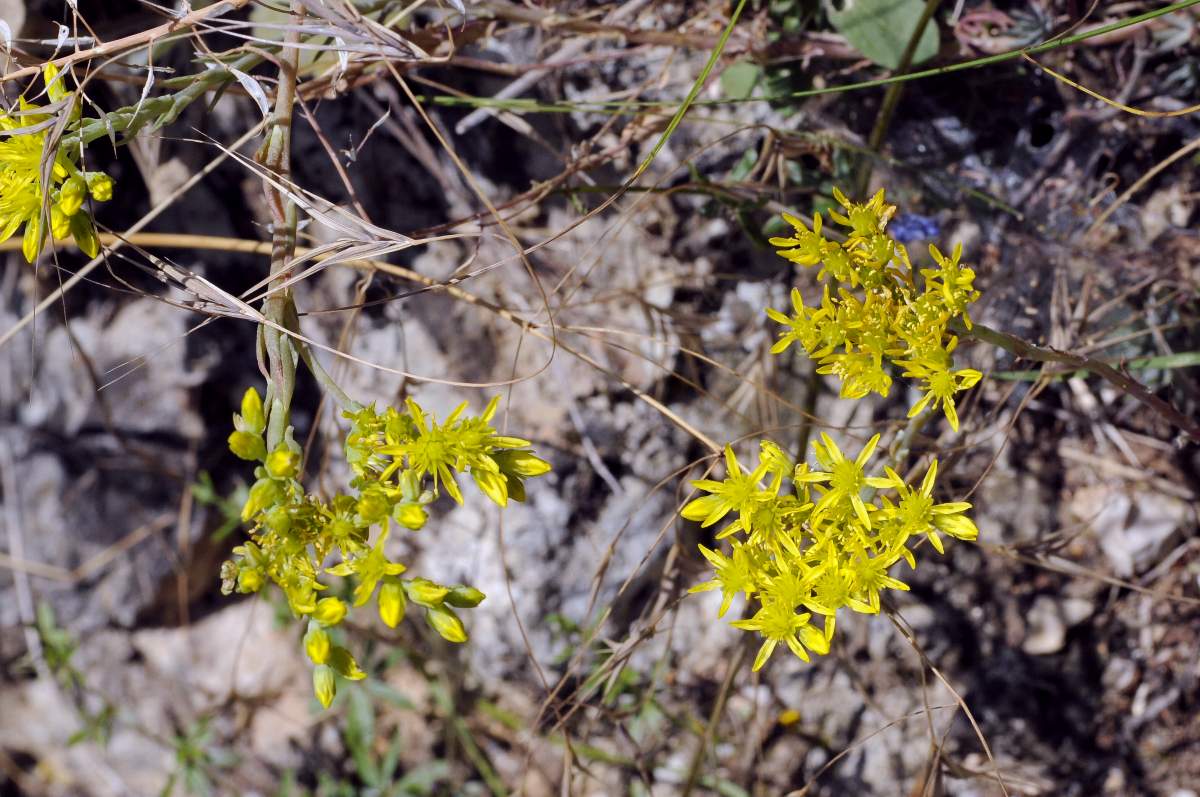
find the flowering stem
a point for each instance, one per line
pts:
(315, 368)
(811, 393)
(156, 112)
(710, 730)
(1045, 354)
(276, 156)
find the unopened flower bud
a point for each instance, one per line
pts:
(464, 597)
(317, 644)
(283, 464)
(248, 446)
(391, 603)
(425, 592)
(329, 611)
(447, 624)
(411, 516)
(324, 684)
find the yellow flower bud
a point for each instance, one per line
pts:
(84, 233)
(523, 463)
(283, 464)
(345, 665)
(411, 516)
(56, 83)
(516, 490)
(425, 592)
(373, 507)
(100, 186)
(249, 580)
(263, 494)
(253, 417)
(493, 485)
(391, 603)
(301, 598)
(317, 644)
(71, 195)
(60, 222)
(465, 597)
(329, 611)
(248, 446)
(324, 684)
(447, 624)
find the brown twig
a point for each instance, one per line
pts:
(1123, 382)
(130, 42)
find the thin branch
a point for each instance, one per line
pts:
(1124, 382)
(130, 42)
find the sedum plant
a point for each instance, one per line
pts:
(401, 462)
(873, 311)
(805, 543)
(43, 188)
(808, 542)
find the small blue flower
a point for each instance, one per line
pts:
(909, 227)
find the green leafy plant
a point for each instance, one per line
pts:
(196, 758)
(401, 462)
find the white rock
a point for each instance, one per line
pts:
(1049, 619)
(1136, 531)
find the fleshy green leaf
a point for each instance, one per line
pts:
(880, 29)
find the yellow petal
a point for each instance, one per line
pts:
(324, 684)
(392, 603)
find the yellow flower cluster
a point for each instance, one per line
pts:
(54, 204)
(818, 546)
(875, 311)
(401, 461)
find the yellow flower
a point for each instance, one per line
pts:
(869, 576)
(916, 513)
(797, 560)
(369, 568)
(779, 622)
(734, 574)
(940, 385)
(394, 456)
(873, 314)
(24, 200)
(866, 219)
(846, 478)
(739, 491)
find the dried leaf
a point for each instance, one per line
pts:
(255, 91)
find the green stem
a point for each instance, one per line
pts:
(156, 112)
(1052, 44)
(1123, 382)
(315, 368)
(710, 730)
(626, 106)
(891, 99)
(809, 411)
(276, 156)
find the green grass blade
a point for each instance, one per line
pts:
(1165, 362)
